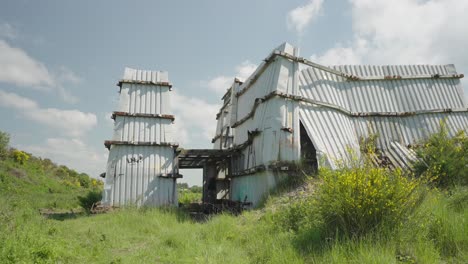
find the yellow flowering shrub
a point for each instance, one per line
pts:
(20, 156)
(356, 200)
(444, 159)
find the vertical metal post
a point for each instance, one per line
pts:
(209, 183)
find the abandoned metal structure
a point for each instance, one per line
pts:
(292, 111)
(141, 168)
(292, 114)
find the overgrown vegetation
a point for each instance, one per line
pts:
(357, 200)
(360, 214)
(189, 194)
(4, 140)
(444, 159)
(38, 183)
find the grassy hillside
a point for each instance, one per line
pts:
(312, 223)
(41, 184)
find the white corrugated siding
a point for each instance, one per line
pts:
(145, 76)
(272, 143)
(255, 186)
(144, 99)
(385, 95)
(333, 132)
(409, 130)
(142, 129)
(136, 173)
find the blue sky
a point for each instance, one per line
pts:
(60, 60)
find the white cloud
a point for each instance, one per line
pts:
(245, 69)
(66, 75)
(108, 121)
(221, 83)
(72, 153)
(405, 32)
(18, 68)
(300, 17)
(72, 123)
(195, 119)
(7, 31)
(338, 56)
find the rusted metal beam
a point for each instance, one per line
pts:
(108, 143)
(170, 175)
(170, 117)
(351, 77)
(164, 84)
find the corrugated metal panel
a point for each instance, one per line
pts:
(138, 174)
(333, 133)
(145, 76)
(335, 123)
(409, 130)
(135, 175)
(143, 129)
(252, 188)
(274, 119)
(144, 99)
(400, 156)
(384, 95)
(271, 116)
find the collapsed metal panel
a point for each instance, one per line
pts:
(405, 95)
(274, 119)
(265, 130)
(338, 106)
(400, 110)
(140, 168)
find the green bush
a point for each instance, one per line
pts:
(444, 159)
(90, 199)
(20, 156)
(4, 141)
(300, 215)
(356, 200)
(84, 180)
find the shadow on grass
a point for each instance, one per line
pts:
(61, 216)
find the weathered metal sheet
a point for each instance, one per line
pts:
(335, 133)
(332, 134)
(143, 129)
(144, 99)
(252, 188)
(141, 175)
(145, 76)
(140, 168)
(338, 106)
(384, 96)
(266, 136)
(409, 130)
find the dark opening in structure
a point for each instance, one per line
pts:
(308, 152)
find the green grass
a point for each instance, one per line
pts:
(435, 233)
(187, 196)
(169, 236)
